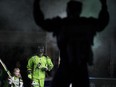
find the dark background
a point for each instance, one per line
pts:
(19, 34)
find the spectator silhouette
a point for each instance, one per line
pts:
(74, 36)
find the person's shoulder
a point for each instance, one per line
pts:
(88, 19)
(13, 77)
(65, 19)
(34, 56)
(46, 56)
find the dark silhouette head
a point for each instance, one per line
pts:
(74, 9)
(40, 49)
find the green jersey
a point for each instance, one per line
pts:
(38, 65)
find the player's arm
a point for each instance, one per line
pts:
(46, 24)
(103, 19)
(30, 67)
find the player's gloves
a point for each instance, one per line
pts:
(44, 69)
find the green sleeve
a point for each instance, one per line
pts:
(49, 63)
(30, 64)
(30, 67)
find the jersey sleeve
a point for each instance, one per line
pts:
(30, 64)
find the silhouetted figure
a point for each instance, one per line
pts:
(74, 38)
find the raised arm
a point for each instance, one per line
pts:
(37, 13)
(48, 24)
(103, 19)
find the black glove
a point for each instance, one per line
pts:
(44, 69)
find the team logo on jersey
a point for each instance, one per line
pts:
(39, 64)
